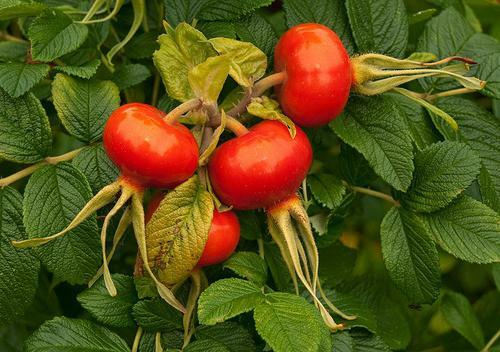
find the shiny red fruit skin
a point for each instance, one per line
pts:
(318, 71)
(223, 238)
(260, 168)
(147, 150)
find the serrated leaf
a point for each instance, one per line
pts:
(417, 120)
(71, 335)
(257, 30)
(377, 129)
(17, 78)
(83, 106)
(442, 171)
(180, 50)
(213, 29)
(54, 195)
(182, 10)
(225, 337)
(366, 342)
(489, 71)
(459, 314)
(25, 135)
(269, 109)
(157, 315)
(207, 79)
(145, 287)
(379, 26)
(248, 265)
(113, 311)
(331, 13)
(86, 70)
(18, 268)
(248, 63)
(53, 34)
(10, 9)
(214, 10)
(289, 324)
(96, 166)
(342, 342)
(410, 256)
(227, 298)
(479, 129)
(327, 189)
(129, 75)
(143, 45)
(178, 231)
(467, 229)
(173, 340)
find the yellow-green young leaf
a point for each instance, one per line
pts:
(207, 79)
(268, 109)
(178, 231)
(18, 268)
(84, 105)
(180, 50)
(248, 63)
(53, 34)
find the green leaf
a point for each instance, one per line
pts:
(288, 323)
(376, 128)
(72, 335)
(342, 342)
(227, 298)
(269, 109)
(180, 50)
(495, 269)
(379, 26)
(53, 34)
(25, 135)
(256, 30)
(225, 337)
(145, 287)
(417, 120)
(213, 29)
(157, 315)
(331, 13)
(277, 266)
(182, 10)
(96, 166)
(366, 342)
(54, 195)
(248, 265)
(459, 314)
(214, 10)
(17, 78)
(172, 340)
(178, 231)
(10, 9)
(108, 310)
(84, 105)
(207, 79)
(86, 70)
(250, 228)
(479, 129)
(442, 171)
(13, 51)
(489, 71)
(467, 229)
(18, 268)
(248, 63)
(129, 75)
(327, 189)
(411, 258)
(143, 45)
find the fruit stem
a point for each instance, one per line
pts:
(491, 342)
(137, 339)
(235, 126)
(448, 93)
(375, 194)
(52, 160)
(260, 243)
(180, 110)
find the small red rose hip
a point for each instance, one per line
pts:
(261, 167)
(223, 236)
(147, 150)
(318, 74)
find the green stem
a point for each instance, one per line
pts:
(180, 110)
(31, 169)
(375, 194)
(449, 93)
(137, 339)
(235, 126)
(491, 342)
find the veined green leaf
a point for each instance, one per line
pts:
(178, 231)
(18, 268)
(257, 30)
(207, 79)
(225, 337)
(17, 78)
(182, 10)
(327, 189)
(248, 265)
(10, 9)
(87, 70)
(214, 10)
(157, 315)
(129, 75)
